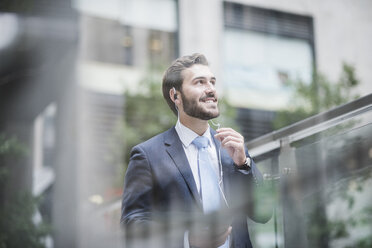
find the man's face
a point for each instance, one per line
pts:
(198, 94)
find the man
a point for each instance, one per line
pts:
(190, 186)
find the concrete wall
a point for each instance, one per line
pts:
(201, 30)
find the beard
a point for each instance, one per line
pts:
(193, 108)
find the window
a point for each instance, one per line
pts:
(263, 49)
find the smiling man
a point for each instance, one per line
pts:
(190, 186)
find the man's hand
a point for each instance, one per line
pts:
(233, 142)
(204, 239)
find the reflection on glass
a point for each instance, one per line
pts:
(336, 207)
(324, 198)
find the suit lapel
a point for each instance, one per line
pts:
(175, 150)
(226, 163)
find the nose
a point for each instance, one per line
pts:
(210, 87)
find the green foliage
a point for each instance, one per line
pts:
(17, 229)
(325, 227)
(11, 147)
(146, 114)
(320, 95)
(10, 150)
(265, 198)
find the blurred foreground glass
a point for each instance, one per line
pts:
(322, 172)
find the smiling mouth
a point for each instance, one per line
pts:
(208, 99)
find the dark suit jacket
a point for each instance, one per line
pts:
(159, 188)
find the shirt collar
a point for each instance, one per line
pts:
(187, 135)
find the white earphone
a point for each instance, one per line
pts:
(174, 93)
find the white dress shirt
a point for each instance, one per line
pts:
(187, 136)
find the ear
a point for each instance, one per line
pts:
(173, 95)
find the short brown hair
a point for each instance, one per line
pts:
(173, 75)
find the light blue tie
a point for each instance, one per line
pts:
(209, 188)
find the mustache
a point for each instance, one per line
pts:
(209, 95)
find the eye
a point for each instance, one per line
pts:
(213, 82)
(199, 82)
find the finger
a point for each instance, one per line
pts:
(226, 133)
(230, 130)
(222, 137)
(232, 138)
(222, 238)
(222, 129)
(231, 141)
(233, 145)
(226, 130)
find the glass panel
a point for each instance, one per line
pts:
(269, 234)
(325, 199)
(322, 186)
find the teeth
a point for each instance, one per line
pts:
(209, 101)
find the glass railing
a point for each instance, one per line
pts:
(320, 170)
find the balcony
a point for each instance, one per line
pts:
(320, 170)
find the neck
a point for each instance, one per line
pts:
(197, 125)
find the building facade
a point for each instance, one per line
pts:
(66, 65)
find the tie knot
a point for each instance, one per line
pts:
(201, 142)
